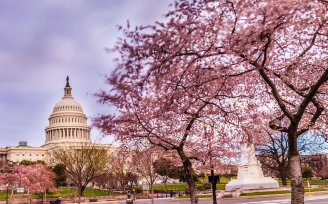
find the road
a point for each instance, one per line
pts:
(309, 199)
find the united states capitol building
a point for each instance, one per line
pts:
(67, 126)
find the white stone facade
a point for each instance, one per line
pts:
(250, 174)
(67, 126)
(67, 123)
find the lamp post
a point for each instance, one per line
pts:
(211, 165)
(213, 185)
(6, 193)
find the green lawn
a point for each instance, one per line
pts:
(281, 192)
(198, 196)
(179, 187)
(2, 196)
(312, 182)
(64, 192)
(317, 182)
(265, 193)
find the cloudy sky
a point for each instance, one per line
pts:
(41, 42)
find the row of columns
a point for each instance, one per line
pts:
(77, 133)
(67, 120)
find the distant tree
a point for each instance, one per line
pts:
(59, 170)
(83, 163)
(131, 178)
(307, 173)
(106, 181)
(35, 178)
(273, 154)
(165, 168)
(143, 161)
(123, 169)
(29, 162)
(323, 173)
(183, 177)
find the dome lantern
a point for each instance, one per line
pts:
(67, 89)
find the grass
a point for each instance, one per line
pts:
(281, 192)
(312, 182)
(220, 186)
(317, 182)
(2, 195)
(64, 192)
(198, 196)
(265, 193)
(179, 187)
(315, 189)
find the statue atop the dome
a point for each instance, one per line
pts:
(67, 81)
(67, 89)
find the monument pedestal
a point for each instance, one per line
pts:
(250, 174)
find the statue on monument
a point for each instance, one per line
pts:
(247, 151)
(67, 81)
(250, 174)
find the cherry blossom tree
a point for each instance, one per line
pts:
(274, 52)
(123, 168)
(143, 161)
(157, 122)
(34, 178)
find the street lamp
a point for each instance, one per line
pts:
(213, 185)
(6, 193)
(214, 180)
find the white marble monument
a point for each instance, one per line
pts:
(250, 174)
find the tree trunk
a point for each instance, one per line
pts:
(187, 167)
(283, 180)
(80, 192)
(165, 184)
(296, 179)
(152, 194)
(283, 176)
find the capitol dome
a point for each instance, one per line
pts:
(67, 123)
(67, 104)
